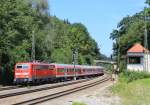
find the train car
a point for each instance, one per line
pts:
(38, 72)
(92, 70)
(66, 70)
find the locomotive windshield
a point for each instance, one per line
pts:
(22, 66)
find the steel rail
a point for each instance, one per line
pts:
(9, 88)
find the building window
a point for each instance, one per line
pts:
(134, 60)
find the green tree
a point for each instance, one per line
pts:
(130, 30)
(54, 38)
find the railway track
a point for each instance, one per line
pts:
(40, 88)
(9, 87)
(61, 93)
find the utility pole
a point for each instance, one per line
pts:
(118, 58)
(33, 47)
(145, 42)
(145, 30)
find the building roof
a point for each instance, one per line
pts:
(137, 48)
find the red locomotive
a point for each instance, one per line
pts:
(37, 72)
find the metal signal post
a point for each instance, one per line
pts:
(33, 47)
(74, 62)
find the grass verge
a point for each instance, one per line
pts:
(136, 92)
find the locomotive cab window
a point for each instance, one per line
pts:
(22, 66)
(18, 66)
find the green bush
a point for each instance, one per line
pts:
(78, 103)
(133, 75)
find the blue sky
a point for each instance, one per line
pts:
(99, 16)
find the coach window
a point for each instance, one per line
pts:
(51, 67)
(71, 69)
(86, 70)
(77, 70)
(60, 70)
(68, 70)
(65, 69)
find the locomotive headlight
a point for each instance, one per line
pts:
(17, 73)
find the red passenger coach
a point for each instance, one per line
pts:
(38, 72)
(65, 70)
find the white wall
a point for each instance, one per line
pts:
(147, 62)
(135, 67)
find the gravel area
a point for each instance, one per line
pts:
(104, 97)
(97, 95)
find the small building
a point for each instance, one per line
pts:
(138, 58)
